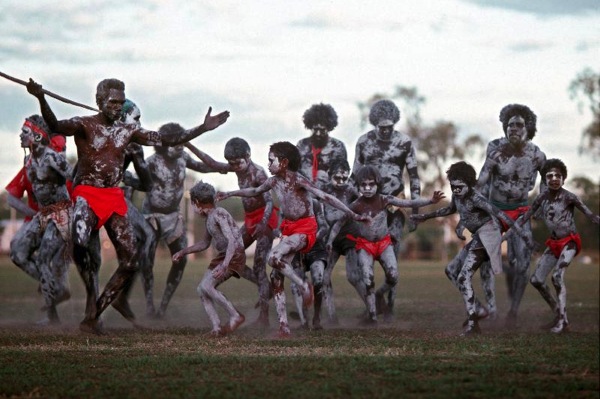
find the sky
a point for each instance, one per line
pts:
(268, 61)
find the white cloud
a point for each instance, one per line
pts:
(268, 61)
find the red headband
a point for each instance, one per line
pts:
(36, 128)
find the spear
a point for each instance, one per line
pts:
(49, 93)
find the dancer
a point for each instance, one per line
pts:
(261, 217)
(506, 178)
(299, 227)
(390, 152)
(373, 241)
(226, 239)
(166, 169)
(42, 246)
(318, 151)
(479, 217)
(101, 141)
(339, 187)
(558, 208)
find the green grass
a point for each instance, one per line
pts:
(420, 354)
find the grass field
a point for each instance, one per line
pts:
(418, 355)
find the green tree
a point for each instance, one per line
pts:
(585, 89)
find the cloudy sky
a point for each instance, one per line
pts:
(267, 61)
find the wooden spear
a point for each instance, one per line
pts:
(49, 93)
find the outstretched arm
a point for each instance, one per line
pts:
(245, 192)
(213, 165)
(197, 247)
(585, 210)
(211, 122)
(448, 210)
(198, 166)
(415, 203)
(331, 200)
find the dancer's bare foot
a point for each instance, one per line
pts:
(234, 323)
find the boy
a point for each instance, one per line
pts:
(339, 187)
(299, 227)
(479, 217)
(226, 239)
(374, 240)
(557, 206)
(260, 215)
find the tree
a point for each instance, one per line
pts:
(585, 89)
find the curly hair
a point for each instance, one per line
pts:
(338, 164)
(368, 172)
(203, 193)
(384, 110)
(524, 112)
(236, 148)
(320, 114)
(554, 163)
(462, 171)
(286, 150)
(104, 87)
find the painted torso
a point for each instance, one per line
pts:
(513, 172)
(389, 157)
(376, 228)
(294, 200)
(254, 176)
(472, 211)
(168, 176)
(222, 228)
(48, 170)
(334, 149)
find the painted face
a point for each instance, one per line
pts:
(367, 188)
(202, 209)
(459, 188)
(384, 132)
(26, 137)
(340, 178)
(516, 132)
(274, 164)
(133, 116)
(175, 151)
(112, 106)
(320, 135)
(554, 179)
(238, 164)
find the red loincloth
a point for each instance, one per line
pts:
(513, 214)
(103, 201)
(556, 246)
(252, 219)
(307, 226)
(374, 248)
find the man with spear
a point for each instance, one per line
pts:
(101, 141)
